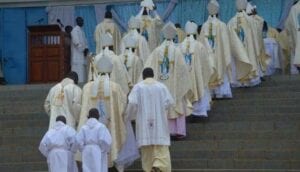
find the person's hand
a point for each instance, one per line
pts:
(85, 52)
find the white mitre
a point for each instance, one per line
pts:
(241, 4)
(148, 4)
(104, 65)
(130, 42)
(169, 30)
(107, 40)
(213, 7)
(249, 8)
(133, 23)
(190, 28)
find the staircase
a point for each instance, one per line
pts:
(258, 130)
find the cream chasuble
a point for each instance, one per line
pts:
(243, 47)
(119, 73)
(111, 109)
(263, 58)
(108, 25)
(64, 99)
(150, 28)
(169, 68)
(292, 27)
(199, 65)
(142, 50)
(180, 35)
(133, 64)
(214, 35)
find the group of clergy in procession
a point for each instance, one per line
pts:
(155, 75)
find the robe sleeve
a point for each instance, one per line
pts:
(76, 41)
(131, 110)
(43, 147)
(105, 139)
(97, 39)
(168, 100)
(79, 142)
(71, 139)
(76, 103)
(47, 103)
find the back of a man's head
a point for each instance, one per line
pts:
(61, 119)
(148, 73)
(108, 15)
(93, 113)
(74, 76)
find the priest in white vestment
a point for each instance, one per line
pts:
(110, 100)
(169, 67)
(94, 142)
(58, 146)
(64, 99)
(79, 51)
(107, 25)
(245, 63)
(119, 73)
(263, 58)
(201, 69)
(142, 49)
(149, 103)
(292, 26)
(131, 61)
(214, 35)
(150, 25)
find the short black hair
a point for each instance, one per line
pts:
(68, 29)
(94, 113)
(177, 25)
(61, 118)
(199, 29)
(78, 19)
(73, 75)
(148, 73)
(108, 15)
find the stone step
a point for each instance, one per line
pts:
(247, 126)
(256, 109)
(257, 101)
(6, 124)
(188, 164)
(24, 116)
(194, 135)
(251, 117)
(237, 145)
(229, 164)
(25, 166)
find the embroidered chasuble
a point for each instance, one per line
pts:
(263, 58)
(119, 73)
(142, 51)
(199, 65)
(64, 99)
(292, 26)
(214, 35)
(150, 29)
(169, 68)
(108, 25)
(133, 65)
(111, 109)
(243, 47)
